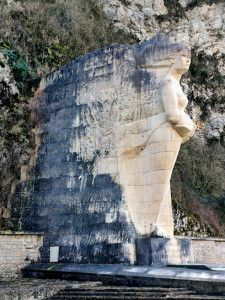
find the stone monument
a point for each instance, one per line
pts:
(109, 126)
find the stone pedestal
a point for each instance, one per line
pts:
(163, 251)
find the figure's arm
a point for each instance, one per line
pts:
(170, 102)
(181, 122)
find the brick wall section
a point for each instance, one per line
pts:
(209, 250)
(17, 250)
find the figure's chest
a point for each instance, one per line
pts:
(181, 97)
(182, 100)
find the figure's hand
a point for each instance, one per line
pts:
(185, 127)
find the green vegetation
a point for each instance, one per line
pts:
(203, 170)
(198, 181)
(25, 76)
(51, 33)
(188, 223)
(37, 36)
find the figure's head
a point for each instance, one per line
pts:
(181, 62)
(161, 52)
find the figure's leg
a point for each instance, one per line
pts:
(162, 152)
(145, 176)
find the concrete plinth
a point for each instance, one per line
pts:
(163, 251)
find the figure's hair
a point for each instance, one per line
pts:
(157, 49)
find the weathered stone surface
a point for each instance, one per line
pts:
(163, 251)
(195, 25)
(215, 126)
(6, 76)
(107, 136)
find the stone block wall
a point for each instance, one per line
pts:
(209, 250)
(16, 251)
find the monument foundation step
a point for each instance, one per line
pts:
(203, 282)
(126, 293)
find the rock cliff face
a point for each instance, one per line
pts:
(197, 24)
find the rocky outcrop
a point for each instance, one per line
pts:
(215, 127)
(196, 25)
(6, 79)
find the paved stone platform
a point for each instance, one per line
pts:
(203, 281)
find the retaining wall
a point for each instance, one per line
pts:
(18, 249)
(209, 250)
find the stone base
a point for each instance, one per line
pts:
(163, 251)
(204, 282)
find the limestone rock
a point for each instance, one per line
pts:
(196, 29)
(215, 126)
(6, 78)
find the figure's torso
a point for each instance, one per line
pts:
(181, 97)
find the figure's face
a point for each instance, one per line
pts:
(182, 62)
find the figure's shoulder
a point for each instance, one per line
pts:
(166, 81)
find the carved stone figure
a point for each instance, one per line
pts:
(150, 146)
(108, 130)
